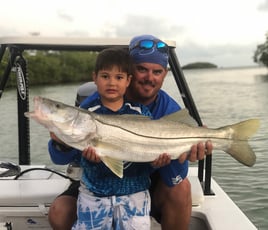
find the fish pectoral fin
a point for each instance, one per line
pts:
(116, 166)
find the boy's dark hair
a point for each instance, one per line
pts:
(110, 57)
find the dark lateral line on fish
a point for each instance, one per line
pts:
(170, 138)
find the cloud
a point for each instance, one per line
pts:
(8, 31)
(220, 55)
(76, 33)
(147, 24)
(190, 45)
(188, 50)
(64, 16)
(263, 6)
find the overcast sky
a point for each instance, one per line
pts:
(224, 32)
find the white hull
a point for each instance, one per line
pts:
(25, 202)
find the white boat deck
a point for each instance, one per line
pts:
(216, 212)
(26, 201)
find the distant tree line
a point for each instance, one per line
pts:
(261, 53)
(199, 65)
(50, 67)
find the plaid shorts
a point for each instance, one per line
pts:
(126, 212)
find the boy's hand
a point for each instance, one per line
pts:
(90, 154)
(55, 138)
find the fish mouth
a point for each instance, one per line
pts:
(37, 101)
(37, 112)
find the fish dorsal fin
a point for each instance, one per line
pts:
(116, 166)
(182, 116)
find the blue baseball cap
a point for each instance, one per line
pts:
(148, 48)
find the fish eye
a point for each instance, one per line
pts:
(57, 106)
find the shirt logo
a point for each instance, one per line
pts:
(176, 180)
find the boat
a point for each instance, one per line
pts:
(27, 190)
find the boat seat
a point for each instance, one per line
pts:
(37, 187)
(31, 192)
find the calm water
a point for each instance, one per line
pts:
(223, 96)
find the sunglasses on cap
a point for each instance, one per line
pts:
(149, 44)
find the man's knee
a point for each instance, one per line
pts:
(180, 193)
(181, 190)
(173, 205)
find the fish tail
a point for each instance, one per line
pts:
(245, 129)
(242, 152)
(240, 148)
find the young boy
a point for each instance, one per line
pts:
(106, 201)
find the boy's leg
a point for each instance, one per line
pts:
(93, 212)
(133, 211)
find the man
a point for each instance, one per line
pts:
(170, 190)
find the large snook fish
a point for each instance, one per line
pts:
(136, 138)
